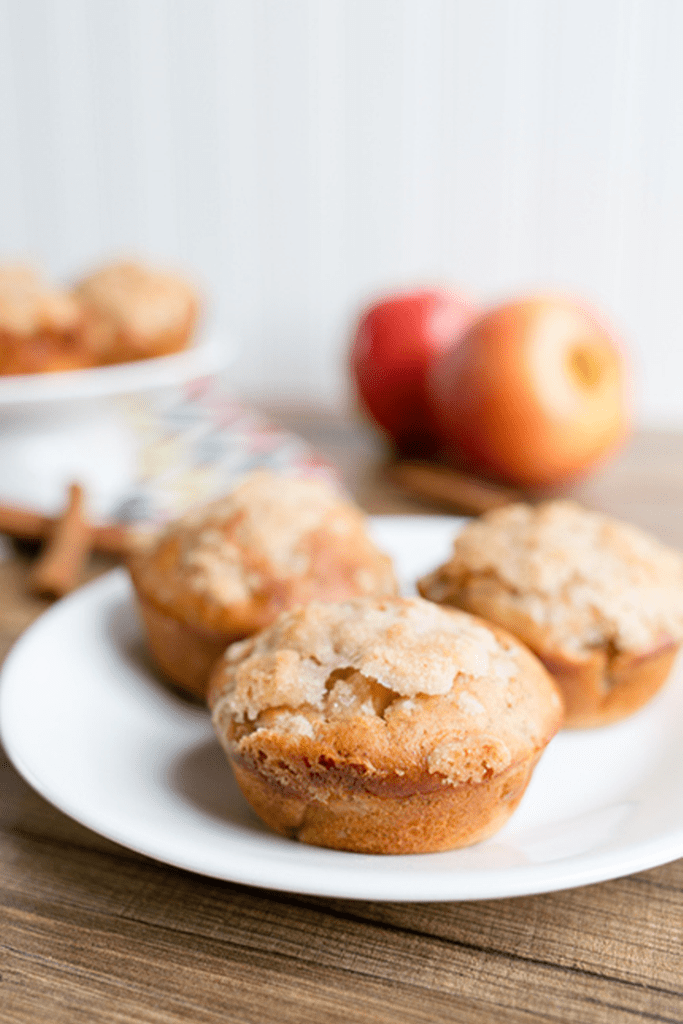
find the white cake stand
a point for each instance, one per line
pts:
(56, 428)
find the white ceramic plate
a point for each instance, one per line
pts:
(210, 353)
(87, 723)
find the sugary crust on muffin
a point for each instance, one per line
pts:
(40, 327)
(565, 579)
(28, 305)
(393, 697)
(275, 541)
(134, 312)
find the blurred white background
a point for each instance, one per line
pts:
(296, 156)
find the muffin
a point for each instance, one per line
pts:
(383, 725)
(40, 326)
(599, 601)
(230, 568)
(134, 312)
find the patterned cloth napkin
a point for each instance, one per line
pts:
(194, 441)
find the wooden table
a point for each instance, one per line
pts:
(92, 932)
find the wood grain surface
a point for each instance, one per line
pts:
(90, 932)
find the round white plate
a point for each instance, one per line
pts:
(210, 353)
(90, 726)
(54, 427)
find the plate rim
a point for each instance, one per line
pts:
(212, 350)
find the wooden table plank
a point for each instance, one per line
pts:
(574, 947)
(93, 932)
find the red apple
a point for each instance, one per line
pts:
(535, 393)
(396, 340)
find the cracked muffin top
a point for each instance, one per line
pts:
(579, 579)
(275, 541)
(132, 310)
(39, 325)
(136, 296)
(28, 305)
(394, 687)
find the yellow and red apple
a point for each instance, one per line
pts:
(535, 393)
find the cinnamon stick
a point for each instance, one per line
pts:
(25, 524)
(59, 567)
(457, 491)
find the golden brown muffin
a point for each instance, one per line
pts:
(599, 601)
(383, 725)
(229, 569)
(40, 327)
(134, 312)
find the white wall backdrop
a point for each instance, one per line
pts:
(299, 155)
